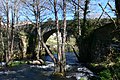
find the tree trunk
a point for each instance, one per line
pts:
(117, 5)
(12, 34)
(2, 41)
(8, 37)
(3, 46)
(64, 37)
(85, 12)
(58, 68)
(36, 9)
(79, 27)
(39, 39)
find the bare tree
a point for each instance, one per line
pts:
(8, 32)
(64, 37)
(58, 38)
(60, 67)
(37, 8)
(7, 8)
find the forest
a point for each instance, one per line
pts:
(59, 40)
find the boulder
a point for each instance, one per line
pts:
(36, 62)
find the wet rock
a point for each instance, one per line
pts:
(36, 62)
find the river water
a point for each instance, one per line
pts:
(75, 71)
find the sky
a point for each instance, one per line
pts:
(95, 11)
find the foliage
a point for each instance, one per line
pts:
(110, 72)
(82, 79)
(116, 71)
(105, 75)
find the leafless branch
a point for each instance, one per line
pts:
(108, 15)
(51, 3)
(102, 13)
(111, 7)
(27, 5)
(77, 4)
(3, 4)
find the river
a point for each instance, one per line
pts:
(75, 71)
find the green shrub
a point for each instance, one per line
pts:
(105, 75)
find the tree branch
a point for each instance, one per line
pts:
(102, 13)
(107, 14)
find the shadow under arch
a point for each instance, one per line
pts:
(48, 34)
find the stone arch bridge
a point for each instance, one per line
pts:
(49, 31)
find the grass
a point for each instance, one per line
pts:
(16, 63)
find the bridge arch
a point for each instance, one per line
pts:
(48, 34)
